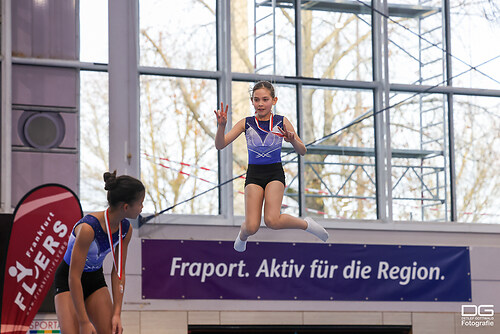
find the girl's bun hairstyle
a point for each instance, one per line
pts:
(122, 189)
(110, 180)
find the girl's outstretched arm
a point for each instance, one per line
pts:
(290, 136)
(222, 140)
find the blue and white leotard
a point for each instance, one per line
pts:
(99, 247)
(264, 148)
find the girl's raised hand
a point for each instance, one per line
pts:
(221, 114)
(288, 136)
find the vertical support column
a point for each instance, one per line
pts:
(6, 112)
(451, 128)
(300, 108)
(224, 95)
(388, 147)
(382, 119)
(124, 124)
(273, 2)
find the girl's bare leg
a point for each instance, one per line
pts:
(275, 220)
(272, 209)
(100, 310)
(254, 196)
(66, 313)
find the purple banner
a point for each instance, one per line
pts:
(186, 269)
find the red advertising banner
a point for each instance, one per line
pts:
(43, 221)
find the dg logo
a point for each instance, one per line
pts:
(477, 310)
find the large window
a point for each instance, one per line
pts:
(179, 159)
(416, 42)
(429, 70)
(242, 108)
(94, 31)
(336, 43)
(474, 29)
(339, 168)
(419, 158)
(477, 150)
(178, 34)
(94, 139)
(177, 143)
(262, 37)
(94, 104)
(325, 86)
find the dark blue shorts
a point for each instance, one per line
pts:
(261, 175)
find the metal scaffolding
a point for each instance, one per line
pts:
(428, 164)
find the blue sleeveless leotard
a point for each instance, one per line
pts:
(264, 148)
(99, 247)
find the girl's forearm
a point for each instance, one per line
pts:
(219, 137)
(118, 289)
(299, 147)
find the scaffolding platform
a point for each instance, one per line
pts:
(364, 151)
(354, 7)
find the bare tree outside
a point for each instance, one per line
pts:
(335, 45)
(94, 140)
(177, 128)
(179, 159)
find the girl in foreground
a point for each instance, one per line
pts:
(83, 302)
(265, 178)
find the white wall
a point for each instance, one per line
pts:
(154, 316)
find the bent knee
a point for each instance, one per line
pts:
(250, 230)
(272, 222)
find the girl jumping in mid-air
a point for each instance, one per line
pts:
(265, 178)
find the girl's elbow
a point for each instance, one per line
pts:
(220, 145)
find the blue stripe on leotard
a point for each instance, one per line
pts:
(263, 147)
(99, 247)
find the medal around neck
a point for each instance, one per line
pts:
(279, 134)
(118, 267)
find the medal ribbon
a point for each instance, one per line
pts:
(279, 134)
(120, 249)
